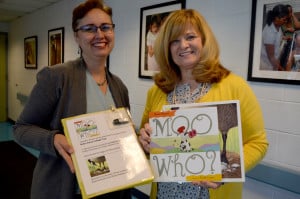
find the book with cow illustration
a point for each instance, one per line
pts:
(107, 154)
(199, 141)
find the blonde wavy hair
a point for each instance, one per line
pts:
(209, 68)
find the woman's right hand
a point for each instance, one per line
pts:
(144, 137)
(64, 149)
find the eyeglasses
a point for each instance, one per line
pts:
(106, 28)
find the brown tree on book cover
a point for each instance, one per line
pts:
(227, 119)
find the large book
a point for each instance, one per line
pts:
(107, 154)
(198, 141)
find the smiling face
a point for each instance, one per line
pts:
(279, 21)
(186, 49)
(99, 44)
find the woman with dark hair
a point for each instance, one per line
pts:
(272, 38)
(76, 87)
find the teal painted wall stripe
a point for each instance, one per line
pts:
(277, 177)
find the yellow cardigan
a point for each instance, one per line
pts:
(255, 143)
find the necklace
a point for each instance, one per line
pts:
(102, 83)
(204, 89)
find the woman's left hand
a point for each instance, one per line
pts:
(208, 184)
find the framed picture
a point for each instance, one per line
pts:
(151, 18)
(30, 52)
(55, 46)
(283, 64)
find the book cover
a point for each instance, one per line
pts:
(230, 136)
(107, 154)
(185, 145)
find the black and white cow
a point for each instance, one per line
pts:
(185, 146)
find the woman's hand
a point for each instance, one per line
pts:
(144, 137)
(208, 184)
(64, 149)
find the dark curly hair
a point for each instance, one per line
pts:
(279, 11)
(80, 11)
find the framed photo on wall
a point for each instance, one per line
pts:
(151, 18)
(30, 52)
(55, 46)
(283, 65)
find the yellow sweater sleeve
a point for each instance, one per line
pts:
(255, 143)
(154, 102)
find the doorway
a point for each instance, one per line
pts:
(3, 76)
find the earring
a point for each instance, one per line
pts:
(79, 50)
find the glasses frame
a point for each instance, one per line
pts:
(91, 28)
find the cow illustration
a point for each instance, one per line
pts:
(185, 145)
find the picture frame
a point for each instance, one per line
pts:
(56, 46)
(30, 52)
(154, 14)
(288, 73)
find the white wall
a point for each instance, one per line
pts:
(21, 80)
(230, 21)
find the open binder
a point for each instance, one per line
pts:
(107, 154)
